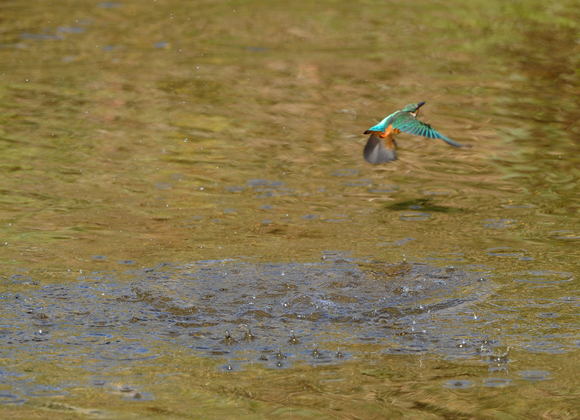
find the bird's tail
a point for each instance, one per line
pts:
(450, 142)
(375, 151)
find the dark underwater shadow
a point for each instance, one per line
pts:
(425, 204)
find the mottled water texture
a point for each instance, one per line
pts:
(224, 138)
(248, 313)
(249, 316)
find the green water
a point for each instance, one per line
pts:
(139, 132)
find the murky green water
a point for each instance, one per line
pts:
(174, 170)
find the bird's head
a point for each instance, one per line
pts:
(413, 107)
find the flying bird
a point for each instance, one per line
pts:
(404, 120)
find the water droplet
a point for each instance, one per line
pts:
(293, 339)
(249, 336)
(228, 339)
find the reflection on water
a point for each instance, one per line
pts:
(135, 132)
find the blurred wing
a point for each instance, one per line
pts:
(409, 124)
(375, 151)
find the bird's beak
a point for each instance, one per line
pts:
(420, 104)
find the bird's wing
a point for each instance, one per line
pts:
(381, 126)
(409, 124)
(375, 152)
(377, 127)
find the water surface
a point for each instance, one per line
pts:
(154, 153)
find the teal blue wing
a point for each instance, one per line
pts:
(382, 126)
(409, 124)
(378, 127)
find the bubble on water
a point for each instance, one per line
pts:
(535, 375)
(497, 382)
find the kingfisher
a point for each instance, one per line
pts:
(404, 120)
